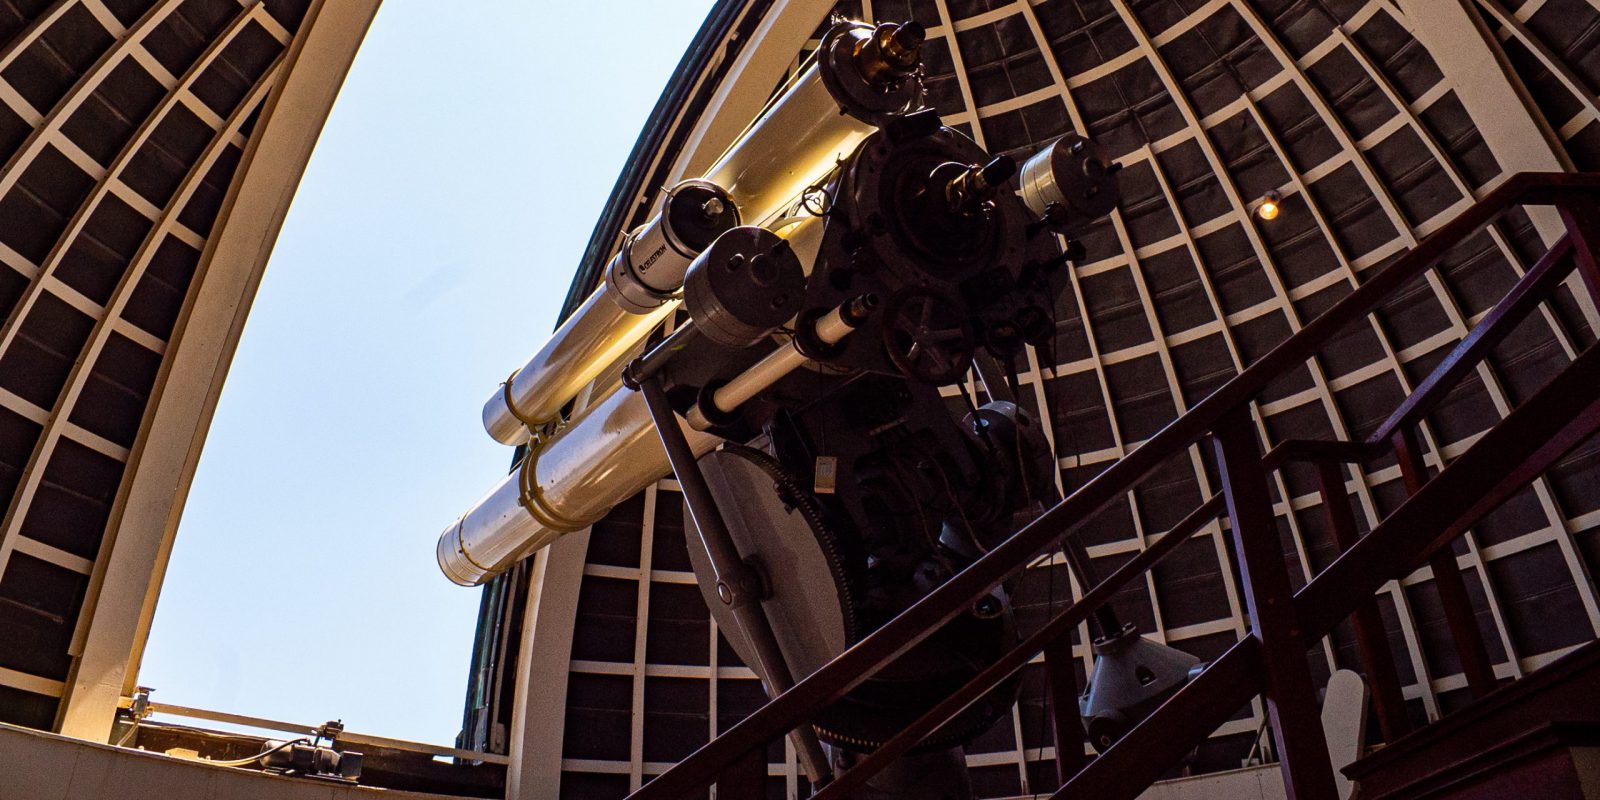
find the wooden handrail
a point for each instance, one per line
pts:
(851, 668)
(1537, 433)
(1507, 457)
(1530, 290)
(1318, 450)
(1399, 433)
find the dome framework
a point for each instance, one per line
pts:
(150, 150)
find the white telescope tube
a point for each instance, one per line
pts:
(609, 452)
(597, 334)
(791, 146)
(860, 75)
(640, 290)
(830, 329)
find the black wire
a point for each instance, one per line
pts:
(239, 762)
(1050, 356)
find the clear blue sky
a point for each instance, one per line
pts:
(425, 256)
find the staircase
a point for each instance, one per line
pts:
(1271, 661)
(1538, 737)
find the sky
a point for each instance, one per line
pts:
(425, 256)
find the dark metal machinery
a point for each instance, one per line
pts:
(1270, 660)
(830, 485)
(854, 490)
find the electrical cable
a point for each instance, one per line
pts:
(1050, 571)
(244, 762)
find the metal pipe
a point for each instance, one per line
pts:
(650, 362)
(830, 329)
(608, 452)
(860, 76)
(739, 586)
(640, 290)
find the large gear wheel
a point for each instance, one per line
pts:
(779, 528)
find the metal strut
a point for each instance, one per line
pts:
(739, 586)
(992, 373)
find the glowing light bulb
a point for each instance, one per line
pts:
(1267, 208)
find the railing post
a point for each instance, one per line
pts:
(1061, 697)
(1290, 694)
(1447, 578)
(1377, 660)
(1583, 229)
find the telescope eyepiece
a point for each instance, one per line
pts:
(967, 189)
(901, 44)
(892, 53)
(997, 171)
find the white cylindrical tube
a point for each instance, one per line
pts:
(596, 335)
(830, 329)
(639, 291)
(1070, 173)
(609, 452)
(649, 270)
(792, 145)
(859, 76)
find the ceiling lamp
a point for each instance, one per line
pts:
(1267, 207)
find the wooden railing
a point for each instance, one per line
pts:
(1271, 659)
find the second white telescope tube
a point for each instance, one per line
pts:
(609, 452)
(640, 289)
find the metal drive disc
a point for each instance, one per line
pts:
(815, 605)
(780, 530)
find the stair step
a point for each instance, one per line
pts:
(1537, 737)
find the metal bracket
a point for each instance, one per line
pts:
(738, 585)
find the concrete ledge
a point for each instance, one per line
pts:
(44, 766)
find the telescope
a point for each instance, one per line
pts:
(843, 260)
(861, 76)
